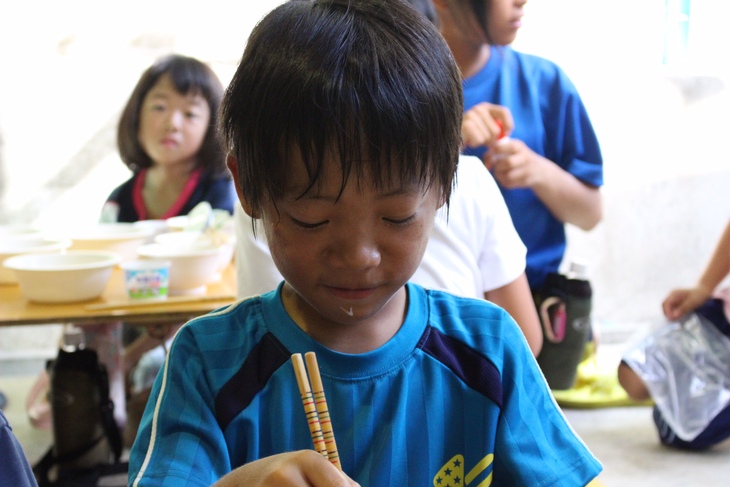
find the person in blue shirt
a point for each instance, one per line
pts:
(343, 124)
(550, 166)
(525, 119)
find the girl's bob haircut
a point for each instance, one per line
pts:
(370, 84)
(188, 75)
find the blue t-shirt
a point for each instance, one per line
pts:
(454, 398)
(550, 119)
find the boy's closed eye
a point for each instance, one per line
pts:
(401, 221)
(306, 225)
(391, 221)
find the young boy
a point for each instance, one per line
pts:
(343, 123)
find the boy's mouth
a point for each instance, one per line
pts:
(351, 294)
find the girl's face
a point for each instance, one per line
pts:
(504, 20)
(172, 126)
(346, 258)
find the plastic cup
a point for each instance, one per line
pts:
(146, 278)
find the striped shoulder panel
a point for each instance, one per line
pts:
(235, 396)
(477, 371)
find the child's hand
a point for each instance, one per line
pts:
(481, 125)
(682, 301)
(513, 164)
(299, 468)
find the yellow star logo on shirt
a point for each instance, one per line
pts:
(452, 473)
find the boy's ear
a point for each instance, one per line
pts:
(232, 164)
(442, 200)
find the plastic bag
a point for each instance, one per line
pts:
(686, 367)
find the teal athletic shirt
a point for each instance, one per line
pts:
(455, 398)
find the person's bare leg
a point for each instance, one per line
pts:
(632, 384)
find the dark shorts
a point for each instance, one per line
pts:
(719, 428)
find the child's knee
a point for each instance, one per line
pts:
(631, 383)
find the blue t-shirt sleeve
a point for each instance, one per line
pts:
(179, 441)
(571, 141)
(535, 441)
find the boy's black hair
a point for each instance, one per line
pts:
(427, 8)
(370, 83)
(188, 75)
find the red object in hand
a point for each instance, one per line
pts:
(502, 135)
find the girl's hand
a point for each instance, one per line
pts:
(481, 125)
(681, 301)
(299, 468)
(513, 164)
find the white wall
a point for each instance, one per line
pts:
(662, 128)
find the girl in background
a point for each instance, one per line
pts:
(167, 137)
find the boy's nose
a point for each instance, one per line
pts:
(355, 251)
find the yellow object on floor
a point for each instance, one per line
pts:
(594, 483)
(595, 388)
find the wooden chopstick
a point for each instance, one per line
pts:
(315, 407)
(322, 409)
(158, 302)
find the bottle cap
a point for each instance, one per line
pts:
(73, 337)
(578, 269)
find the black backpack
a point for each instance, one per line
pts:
(87, 443)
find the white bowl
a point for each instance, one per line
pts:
(26, 244)
(63, 278)
(191, 268)
(123, 238)
(224, 242)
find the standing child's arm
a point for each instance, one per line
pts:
(682, 301)
(572, 201)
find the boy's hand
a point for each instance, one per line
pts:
(299, 468)
(681, 301)
(514, 165)
(481, 125)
